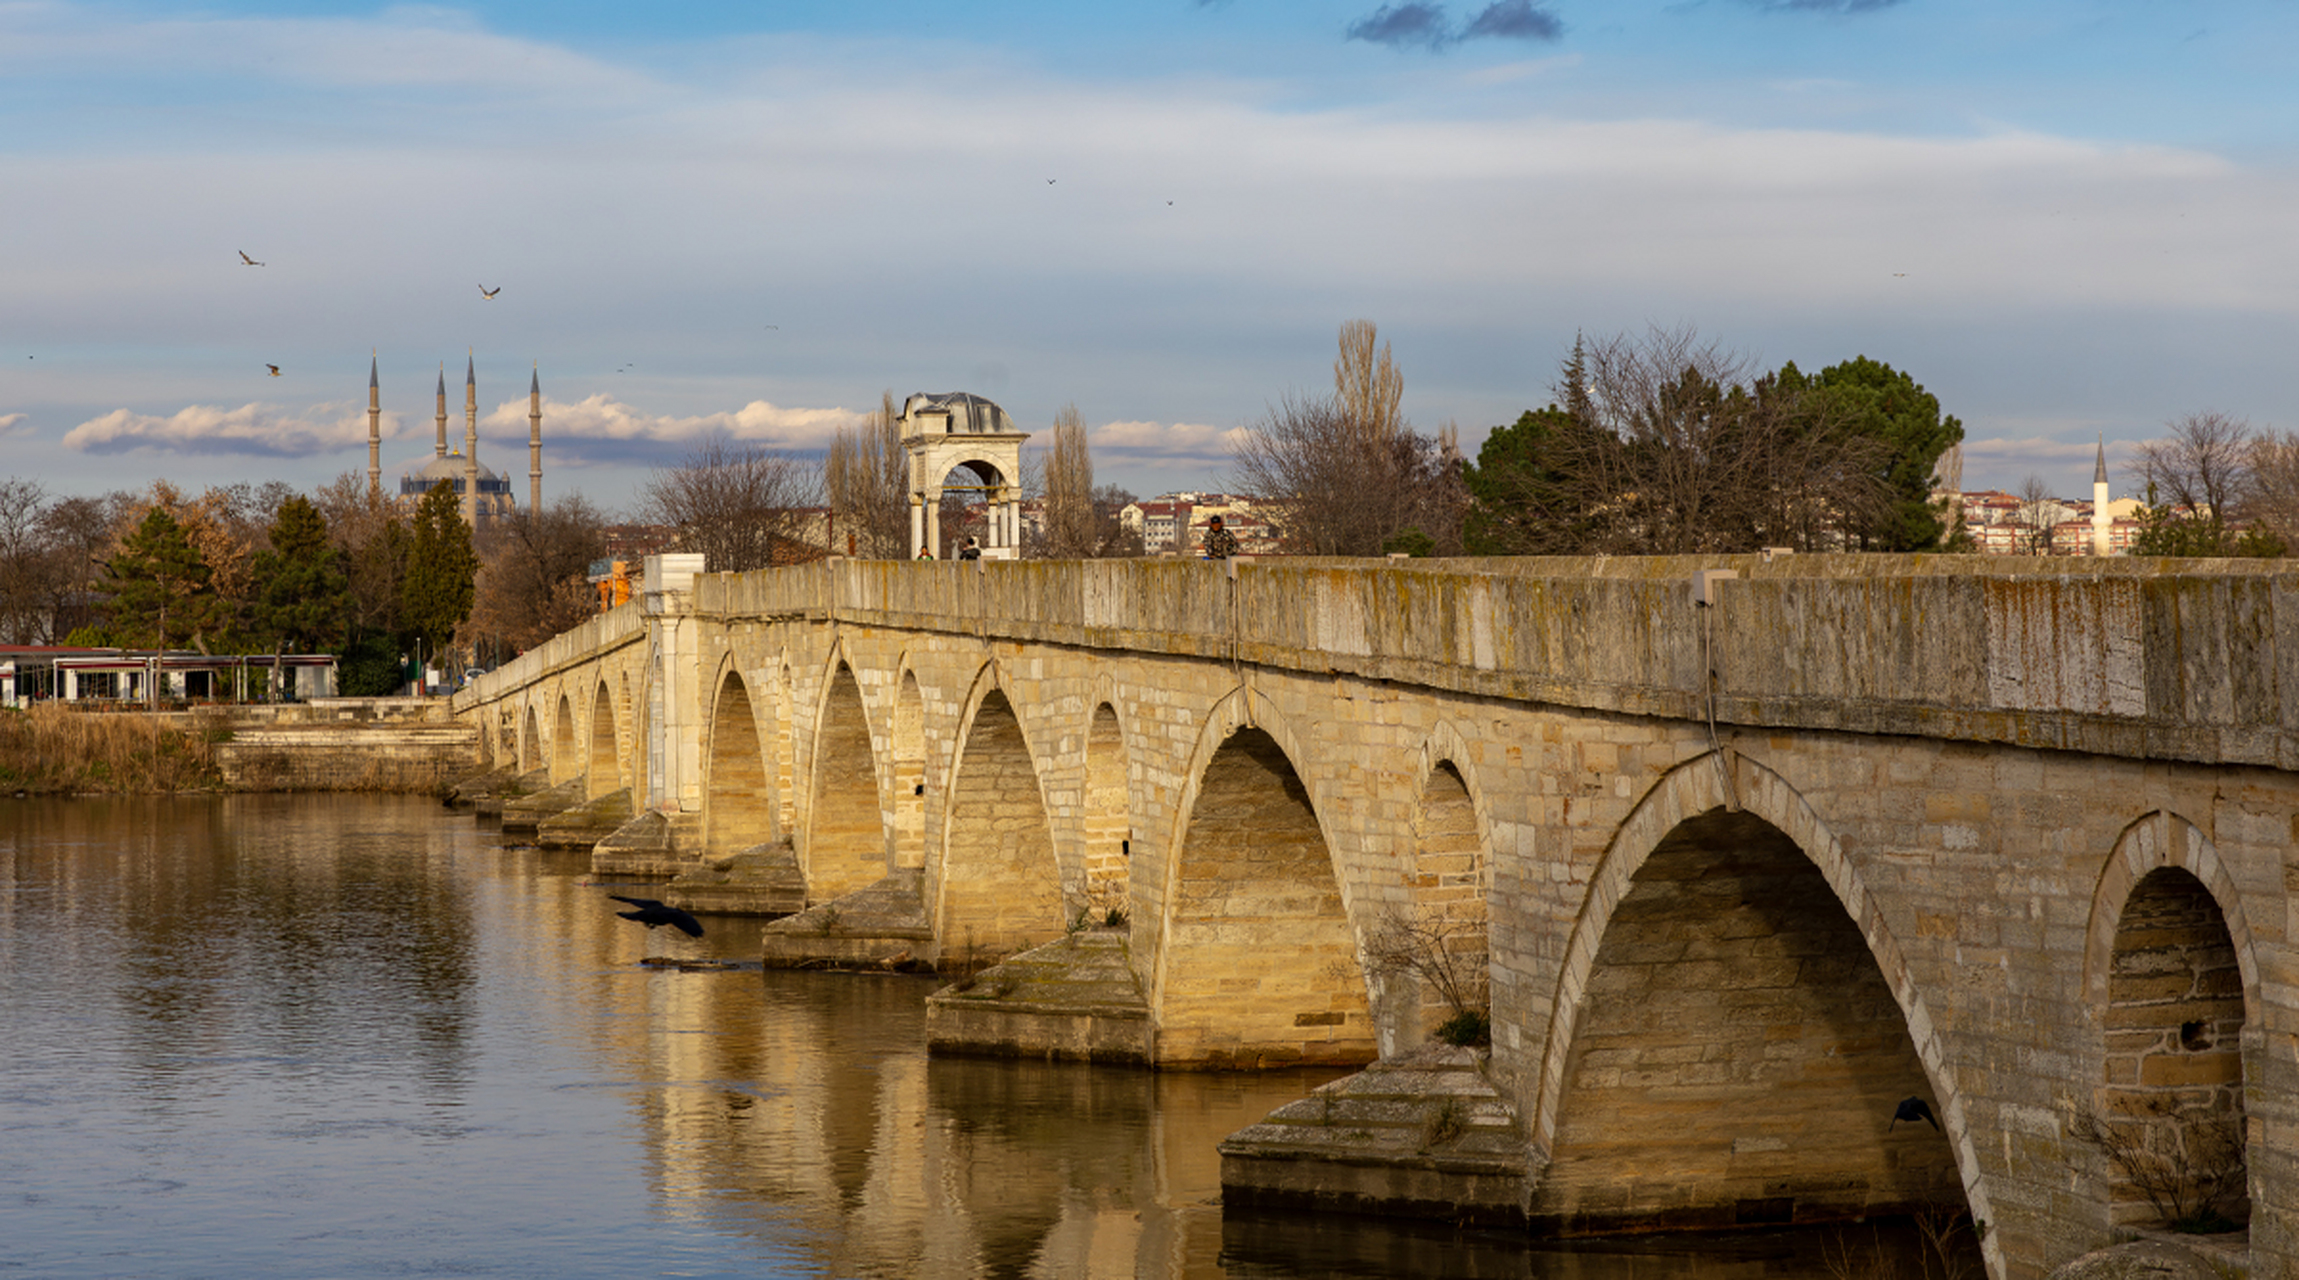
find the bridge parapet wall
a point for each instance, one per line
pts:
(569, 648)
(2141, 658)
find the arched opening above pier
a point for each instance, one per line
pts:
(846, 831)
(1430, 951)
(604, 767)
(739, 810)
(566, 751)
(530, 742)
(1000, 886)
(2171, 1114)
(1106, 825)
(1739, 1056)
(1260, 963)
(909, 752)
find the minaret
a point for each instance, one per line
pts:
(442, 409)
(374, 430)
(2099, 517)
(535, 441)
(471, 443)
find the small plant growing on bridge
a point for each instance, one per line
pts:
(1443, 953)
(2188, 1167)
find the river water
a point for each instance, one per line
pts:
(266, 1036)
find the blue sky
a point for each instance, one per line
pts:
(2067, 219)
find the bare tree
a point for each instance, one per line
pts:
(1367, 384)
(533, 576)
(28, 562)
(1345, 475)
(737, 504)
(365, 527)
(2196, 480)
(2037, 509)
(866, 480)
(2272, 497)
(1070, 529)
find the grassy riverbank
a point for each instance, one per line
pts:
(56, 750)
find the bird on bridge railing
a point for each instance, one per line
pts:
(651, 913)
(1912, 1110)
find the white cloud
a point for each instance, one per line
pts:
(258, 429)
(13, 424)
(602, 428)
(1163, 441)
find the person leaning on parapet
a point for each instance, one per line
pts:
(971, 551)
(1220, 543)
(925, 552)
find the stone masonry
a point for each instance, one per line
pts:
(1741, 876)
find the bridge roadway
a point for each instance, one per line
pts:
(2013, 836)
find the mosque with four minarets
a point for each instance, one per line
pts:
(482, 494)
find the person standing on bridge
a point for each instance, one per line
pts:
(925, 552)
(971, 551)
(1220, 543)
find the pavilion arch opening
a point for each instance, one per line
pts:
(739, 810)
(1738, 1055)
(530, 742)
(566, 758)
(1000, 885)
(909, 760)
(1260, 962)
(846, 833)
(2171, 1110)
(1105, 823)
(1428, 952)
(604, 766)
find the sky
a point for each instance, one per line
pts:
(2068, 219)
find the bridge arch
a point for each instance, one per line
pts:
(1257, 959)
(2171, 973)
(906, 760)
(997, 883)
(1713, 1015)
(845, 845)
(739, 801)
(566, 764)
(530, 741)
(1105, 817)
(603, 769)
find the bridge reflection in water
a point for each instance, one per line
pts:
(271, 1036)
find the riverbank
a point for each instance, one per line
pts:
(53, 749)
(405, 746)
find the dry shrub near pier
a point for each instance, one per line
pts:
(53, 749)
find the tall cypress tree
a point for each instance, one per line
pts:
(435, 596)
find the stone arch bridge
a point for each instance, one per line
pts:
(1732, 877)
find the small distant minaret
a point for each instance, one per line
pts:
(442, 409)
(374, 430)
(2099, 517)
(535, 441)
(471, 442)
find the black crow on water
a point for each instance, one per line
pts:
(651, 913)
(1912, 1110)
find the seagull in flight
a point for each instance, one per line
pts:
(489, 294)
(248, 260)
(1049, 182)
(274, 369)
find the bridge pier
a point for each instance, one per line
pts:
(1730, 881)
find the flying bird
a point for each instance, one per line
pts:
(1914, 1111)
(248, 260)
(274, 369)
(1049, 182)
(651, 913)
(489, 294)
